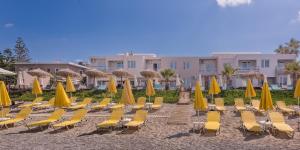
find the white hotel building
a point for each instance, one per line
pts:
(189, 68)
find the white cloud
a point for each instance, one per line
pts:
(296, 20)
(9, 25)
(233, 3)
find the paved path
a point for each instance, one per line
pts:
(184, 98)
(182, 113)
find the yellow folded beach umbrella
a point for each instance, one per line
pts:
(36, 88)
(250, 92)
(150, 89)
(297, 90)
(199, 104)
(4, 96)
(266, 98)
(214, 87)
(111, 87)
(127, 97)
(61, 97)
(69, 85)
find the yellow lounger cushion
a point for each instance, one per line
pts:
(253, 126)
(212, 126)
(134, 123)
(11, 121)
(67, 123)
(104, 103)
(41, 123)
(108, 123)
(138, 106)
(240, 108)
(283, 127)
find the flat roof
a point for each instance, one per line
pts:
(52, 63)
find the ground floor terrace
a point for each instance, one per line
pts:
(156, 134)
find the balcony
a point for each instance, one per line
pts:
(280, 70)
(210, 71)
(243, 70)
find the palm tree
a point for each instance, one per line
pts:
(227, 73)
(167, 74)
(292, 47)
(293, 68)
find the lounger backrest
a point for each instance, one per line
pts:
(38, 99)
(4, 112)
(51, 101)
(140, 115)
(248, 116)
(24, 113)
(255, 103)
(57, 114)
(117, 114)
(158, 101)
(219, 101)
(86, 101)
(105, 101)
(280, 104)
(79, 114)
(276, 117)
(73, 99)
(239, 102)
(205, 102)
(213, 116)
(141, 101)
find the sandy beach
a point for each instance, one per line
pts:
(155, 135)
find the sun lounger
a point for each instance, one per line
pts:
(213, 122)
(138, 120)
(75, 119)
(141, 101)
(83, 104)
(4, 112)
(35, 102)
(49, 104)
(249, 122)
(73, 99)
(255, 106)
(220, 104)
(113, 121)
(283, 108)
(55, 116)
(158, 102)
(278, 124)
(104, 103)
(21, 116)
(117, 106)
(239, 104)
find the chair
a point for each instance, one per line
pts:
(118, 106)
(158, 102)
(141, 101)
(75, 119)
(283, 108)
(73, 99)
(278, 124)
(255, 106)
(104, 103)
(55, 116)
(4, 112)
(49, 104)
(21, 116)
(220, 104)
(84, 103)
(249, 122)
(138, 119)
(35, 102)
(113, 121)
(213, 122)
(239, 104)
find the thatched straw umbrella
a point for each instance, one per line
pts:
(149, 74)
(67, 72)
(120, 73)
(95, 73)
(39, 73)
(6, 72)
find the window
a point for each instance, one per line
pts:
(186, 65)
(131, 64)
(173, 65)
(265, 63)
(81, 72)
(120, 64)
(210, 68)
(48, 70)
(56, 70)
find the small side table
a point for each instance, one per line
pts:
(197, 126)
(149, 105)
(248, 107)
(266, 124)
(211, 106)
(111, 104)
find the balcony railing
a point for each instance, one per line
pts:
(211, 71)
(247, 69)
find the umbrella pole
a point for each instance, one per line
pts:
(298, 117)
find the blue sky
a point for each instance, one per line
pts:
(69, 30)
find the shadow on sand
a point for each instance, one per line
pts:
(179, 135)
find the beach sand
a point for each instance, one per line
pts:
(155, 135)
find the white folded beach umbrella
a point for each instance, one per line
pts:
(6, 72)
(135, 81)
(288, 80)
(178, 83)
